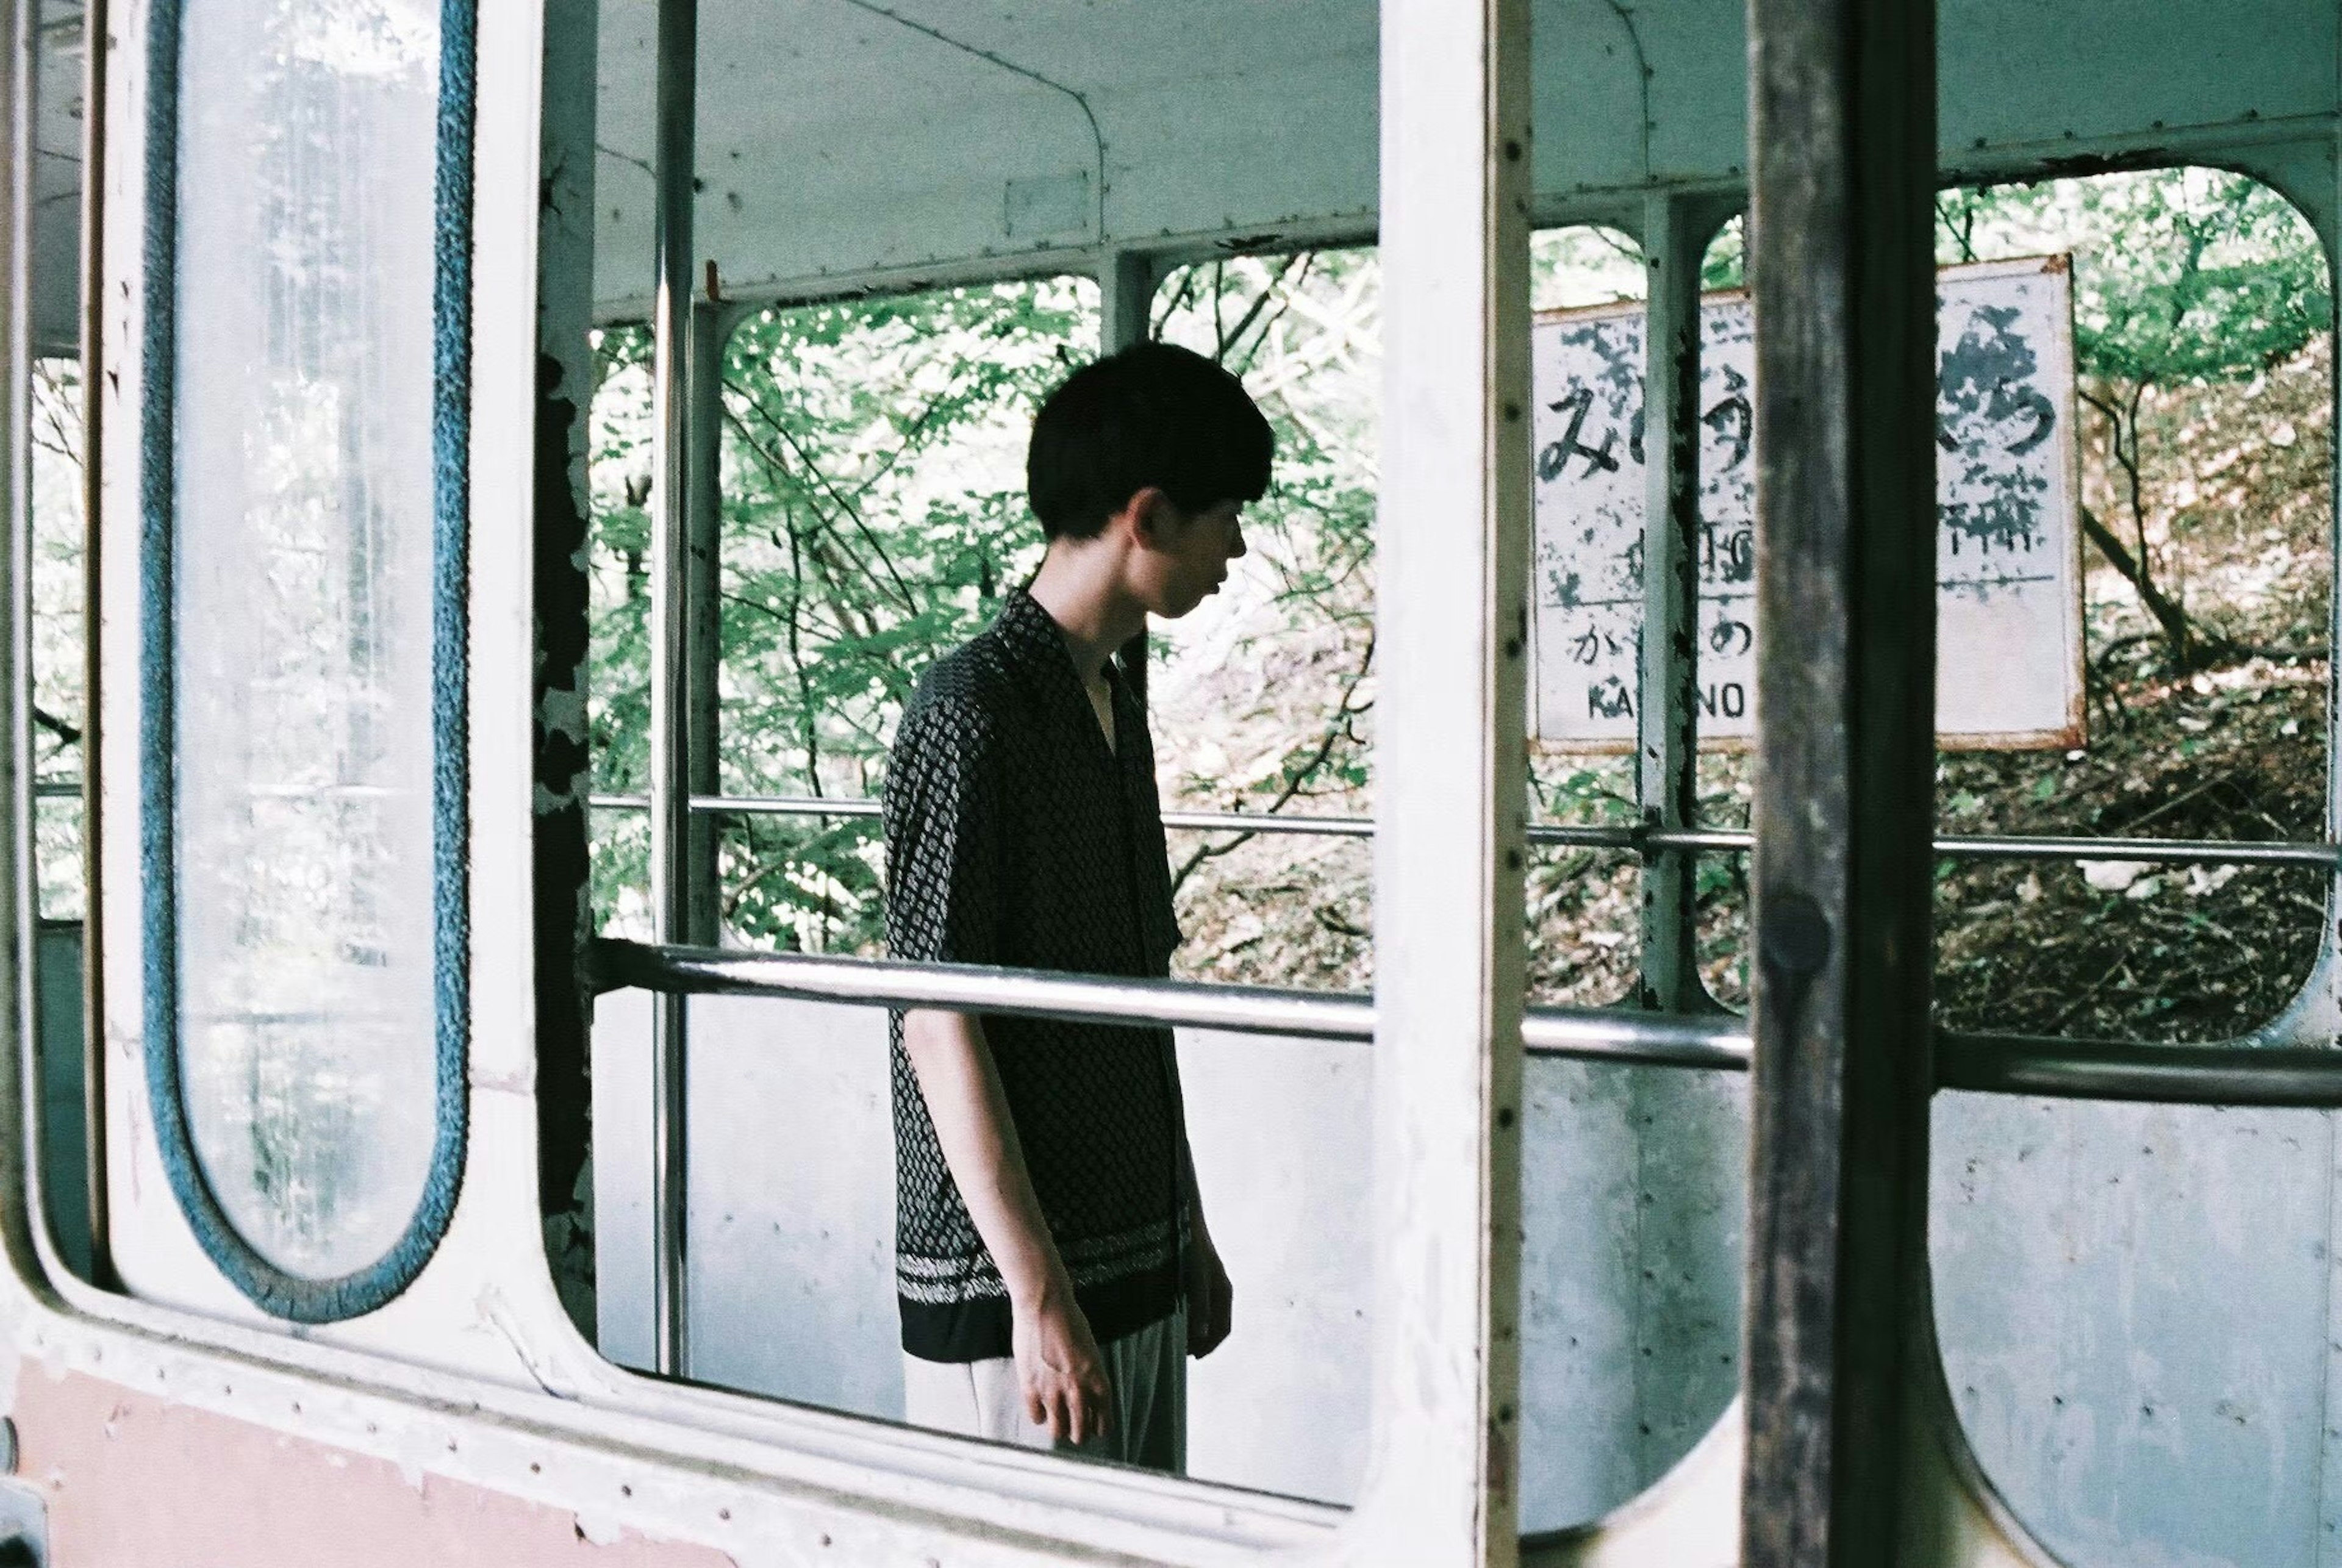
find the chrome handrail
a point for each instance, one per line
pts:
(2306, 1077)
(1583, 1033)
(2298, 1076)
(1626, 839)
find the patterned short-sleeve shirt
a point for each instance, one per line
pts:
(1015, 836)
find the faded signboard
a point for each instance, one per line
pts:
(2008, 670)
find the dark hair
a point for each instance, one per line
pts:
(1153, 415)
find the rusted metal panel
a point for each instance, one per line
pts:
(1843, 110)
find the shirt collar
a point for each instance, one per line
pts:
(1035, 645)
(1031, 637)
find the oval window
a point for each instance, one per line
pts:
(304, 635)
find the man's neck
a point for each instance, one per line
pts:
(1079, 584)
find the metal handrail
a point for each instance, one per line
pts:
(1628, 838)
(2297, 1076)
(1718, 1042)
(2306, 1077)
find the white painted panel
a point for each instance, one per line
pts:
(793, 1194)
(792, 1244)
(2132, 1301)
(2092, 1263)
(623, 1095)
(2007, 557)
(2020, 70)
(1631, 1280)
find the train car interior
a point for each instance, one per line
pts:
(1718, 1024)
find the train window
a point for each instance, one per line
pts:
(2202, 336)
(2202, 412)
(872, 516)
(304, 653)
(1267, 704)
(2089, 1256)
(1584, 900)
(1269, 709)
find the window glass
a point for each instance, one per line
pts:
(302, 605)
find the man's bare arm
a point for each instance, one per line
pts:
(1058, 1360)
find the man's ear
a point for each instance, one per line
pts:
(1151, 516)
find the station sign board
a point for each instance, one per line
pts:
(2008, 671)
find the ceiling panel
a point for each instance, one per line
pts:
(840, 137)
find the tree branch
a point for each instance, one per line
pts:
(1335, 729)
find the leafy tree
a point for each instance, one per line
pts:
(2182, 278)
(872, 509)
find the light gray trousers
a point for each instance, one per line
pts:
(1147, 1370)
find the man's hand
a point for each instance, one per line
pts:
(1059, 1368)
(1210, 1297)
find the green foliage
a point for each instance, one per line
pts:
(2181, 276)
(1726, 265)
(872, 509)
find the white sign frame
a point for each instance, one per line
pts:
(2010, 648)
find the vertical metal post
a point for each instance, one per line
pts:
(1126, 283)
(1126, 298)
(670, 796)
(1842, 98)
(1666, 769)
(96, 50)
(1451, 781)
(19, 75)
(703, 623)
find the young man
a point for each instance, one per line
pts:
(1051, 1255)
